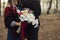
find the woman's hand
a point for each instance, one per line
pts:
(18, 23)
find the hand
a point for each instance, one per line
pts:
(18, 23)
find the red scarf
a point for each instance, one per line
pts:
(24, 24)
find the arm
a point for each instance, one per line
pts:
(37, 8)
(13, 23)
(8, 19)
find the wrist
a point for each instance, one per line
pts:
(18, 23)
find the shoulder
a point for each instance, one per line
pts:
(8, 6)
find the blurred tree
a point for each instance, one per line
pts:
(56, 9)
(56, 4)
(3, 8)
(49, 7)
(0, 8)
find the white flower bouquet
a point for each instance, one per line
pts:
(27, 15)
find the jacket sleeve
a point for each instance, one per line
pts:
(8, 19)
(37, 8)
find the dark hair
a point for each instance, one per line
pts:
(10, 1)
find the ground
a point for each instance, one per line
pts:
(49, 29)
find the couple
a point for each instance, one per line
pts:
(12, 21)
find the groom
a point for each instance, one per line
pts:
(30, 31)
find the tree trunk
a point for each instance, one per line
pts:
(0, 8)
(49, 7)
(56, 4)
(55, 10)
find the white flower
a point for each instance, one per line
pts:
(30, 17)
(18, 10)
(22, 17)
(36, 23)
